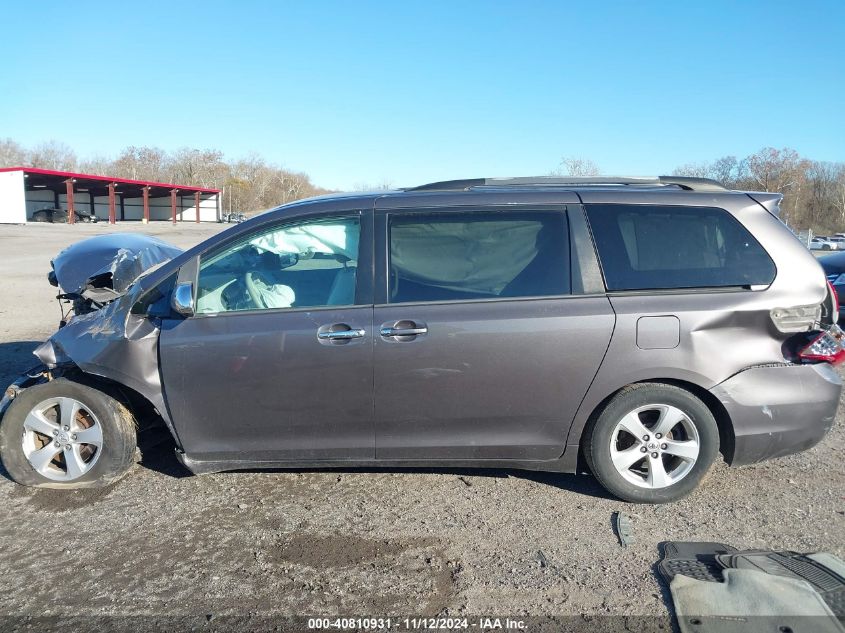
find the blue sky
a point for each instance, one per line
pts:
(409, 92)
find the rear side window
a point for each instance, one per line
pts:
(661, 247)
(447, 256)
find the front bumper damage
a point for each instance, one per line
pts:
(779, 410)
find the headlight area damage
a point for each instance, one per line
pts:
(94, 272)
(104, 342)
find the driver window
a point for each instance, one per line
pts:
(304, 265)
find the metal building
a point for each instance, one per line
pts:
(24, 191)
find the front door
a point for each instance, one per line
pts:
(276, 363)
(482, 349)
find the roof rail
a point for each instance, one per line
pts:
(684, 182)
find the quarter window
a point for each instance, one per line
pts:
(445, 256)
(663, 247)
(308, 264)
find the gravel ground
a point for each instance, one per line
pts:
(363, 542)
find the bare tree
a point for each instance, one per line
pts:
(12, 153)
(99, 165)
(814, 192)
(254, 184)
(839, 193)
(776, 169)
(575, 166)
(727, 170)
(203, 168)
(53, 155)
(693, 170)
(247, 184)
(824, 181)
(383, 185)
(142, 163)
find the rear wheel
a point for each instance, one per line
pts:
(652, 443)
(62, 434)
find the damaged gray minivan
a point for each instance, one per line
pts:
(632, 328)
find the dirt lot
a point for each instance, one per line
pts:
(360, 543)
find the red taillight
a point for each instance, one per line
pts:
(828, 347)
(835, 296)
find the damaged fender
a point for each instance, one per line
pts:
(114, 344)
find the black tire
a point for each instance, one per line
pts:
(825, 247)
(599, 434)
(118, 435)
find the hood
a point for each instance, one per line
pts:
(108, 263)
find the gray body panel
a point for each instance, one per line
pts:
(493, 383)
(490, 380)
(722, 332)
(261, 384)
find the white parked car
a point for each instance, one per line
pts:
(823, 244)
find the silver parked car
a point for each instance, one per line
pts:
(632, 328)
(823, 243)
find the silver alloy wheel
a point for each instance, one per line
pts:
(62, 439)
(654, 446)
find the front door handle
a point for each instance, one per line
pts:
(403, 328)
(341, 334)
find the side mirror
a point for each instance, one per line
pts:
(182, 300)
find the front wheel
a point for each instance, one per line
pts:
(652, 443)
(62, 434)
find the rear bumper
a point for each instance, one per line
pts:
(778, 410)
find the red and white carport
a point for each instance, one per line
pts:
(25, 190)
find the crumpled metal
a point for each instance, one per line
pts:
(112, 343)
(109, 261)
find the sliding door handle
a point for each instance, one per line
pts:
(408, 331)
(403, 328)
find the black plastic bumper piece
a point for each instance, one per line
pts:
(696, 560)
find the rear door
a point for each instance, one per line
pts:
(485, 344)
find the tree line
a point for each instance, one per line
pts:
(813, 191)
(249, 184)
